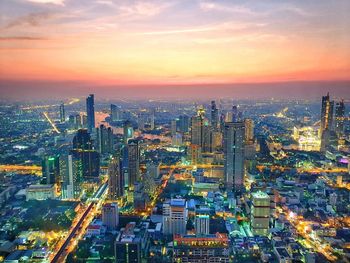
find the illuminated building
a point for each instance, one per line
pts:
(307, 139)
(115, 180)
(339, 180)
(214, 115)
(260, 213)
(216, 141)
(339, 117)
(110, 216)
(133, 162)
(128, 131)
(234, 155)
(195, 154)
(197, 125)
(206, 248)
(235, 117)
(71, 175)
(62, 113)
(153, 169)
(82, 150)
(50, 170)
(152, 119)
(115, 113)
(249, 130)
(174, 217)
(41, 192)
(90, 111)
(127, 247)
(326, 114)
(104, 139)
(201, 222)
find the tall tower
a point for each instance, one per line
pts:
(339, 117)
(62, 113)
(115, 180)
(249, 130)
(110, 216)
(197, 125)
(214, 115)
(104, 139)
(234, 133)
(133, 162)
(71, 175)
(50, 170)
(260, 213)
(90, 111)
(326, 114)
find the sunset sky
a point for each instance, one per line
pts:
(120, 42)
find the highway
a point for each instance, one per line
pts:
(83, 222)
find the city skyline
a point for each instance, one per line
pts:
(126, 47)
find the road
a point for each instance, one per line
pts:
(79, 229)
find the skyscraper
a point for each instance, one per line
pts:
(62, 113)
(133, 162)
(260, 213)
(184, 123)
(214, 115)
(90, 111)
(339, 117)
(50, 169)
(104, 139)
(115, 180)
(234, 133)
(249, 130)
(71, 176)
(83, 150)
(197, 124)
(128, 131)
(174, 217)
(110, 216)
(115, 113)
(326, 114)
(173, 127)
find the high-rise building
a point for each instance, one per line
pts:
(234, 113)
(128, 131)
(83, 150)
(174, 217)
(110, 216)
(184, 123)
(116, 114)
(197, 126)
(82, 140)
(50, 170)
(62, 113)
(104, 139)
(205, 248)
(90, 111)
(249, 130)
(214, 115)
(115, 180)
(173, 127)
(201, 223)
(260, 213)
(326, 114)
(207, 138)
(234, 133)
(339, 117)
(152, 119)
(133, 162)
(71, 176)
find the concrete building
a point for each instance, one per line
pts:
(174, 217)
(110, 216)
(260, 213)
